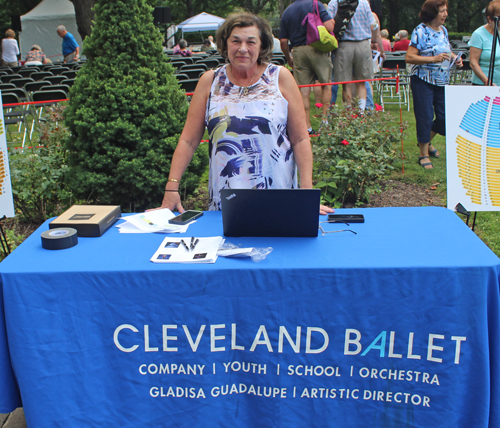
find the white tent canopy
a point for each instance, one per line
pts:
(39, 27)
(202, 22)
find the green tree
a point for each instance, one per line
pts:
(126, 112)
(9, 8)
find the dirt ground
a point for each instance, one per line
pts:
(399, 194)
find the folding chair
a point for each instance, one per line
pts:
(20, 92)
(209, 63)
(50, 98)
(70, 74)
(55, 80)
(193, 73)
(186, 67)
(9, 77)
(40, 75)
(27, 72)
(60, 87)
(35, 86)
(21, 82)
(15, 117)
(181, 76)
(68, 82)
(7, 86)
(390, 67)
(189, 85)
(56, 71)
(177, 64)
(185, 59)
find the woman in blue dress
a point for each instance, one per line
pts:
(430, 53)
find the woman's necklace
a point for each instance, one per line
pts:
(244, 89)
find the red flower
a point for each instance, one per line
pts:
(354, 116)
(378, 107)
(319, 105)
(345, 142)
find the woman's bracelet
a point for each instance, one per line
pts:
(167, 190)
(173, 179)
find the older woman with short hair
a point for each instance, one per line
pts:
(480, 44)
(430, 53)
(255, 118)
(10, 49)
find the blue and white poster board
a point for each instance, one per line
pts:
(473, 147)
(6, 201)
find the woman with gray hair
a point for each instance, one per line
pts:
(255, 118)
(386, 43)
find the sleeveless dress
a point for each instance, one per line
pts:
(249, 146)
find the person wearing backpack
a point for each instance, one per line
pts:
(308, 63)
(353, 58)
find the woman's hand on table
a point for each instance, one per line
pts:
(172, 201)
(324, 210)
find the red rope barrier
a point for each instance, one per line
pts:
(34, 102)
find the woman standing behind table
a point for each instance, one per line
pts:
(430, 53)
(10, 49)
(255, 118)
(480, 49)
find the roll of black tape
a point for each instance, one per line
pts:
(59, 238)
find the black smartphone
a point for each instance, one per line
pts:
(346, 218)
(186, 217)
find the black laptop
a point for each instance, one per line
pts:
(270, 212)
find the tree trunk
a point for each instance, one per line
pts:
(84, 11)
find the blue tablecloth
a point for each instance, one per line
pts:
(397, 326)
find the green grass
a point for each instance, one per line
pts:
(407, 170)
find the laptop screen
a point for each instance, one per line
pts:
(270, 212)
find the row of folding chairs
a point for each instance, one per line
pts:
(19, 81)
(22, 119)
(45, 67)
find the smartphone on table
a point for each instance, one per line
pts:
(186, 217)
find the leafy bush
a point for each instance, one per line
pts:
(38, 174)
(126, 112)
(353, 153)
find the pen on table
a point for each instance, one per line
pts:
(194, 244)
(184, 244)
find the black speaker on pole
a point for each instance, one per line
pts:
(16, 22)
(161, 15)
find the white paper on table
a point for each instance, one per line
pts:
(127, 227)
(151, 222)
(172, 250)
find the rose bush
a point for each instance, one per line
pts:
(354, 152)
